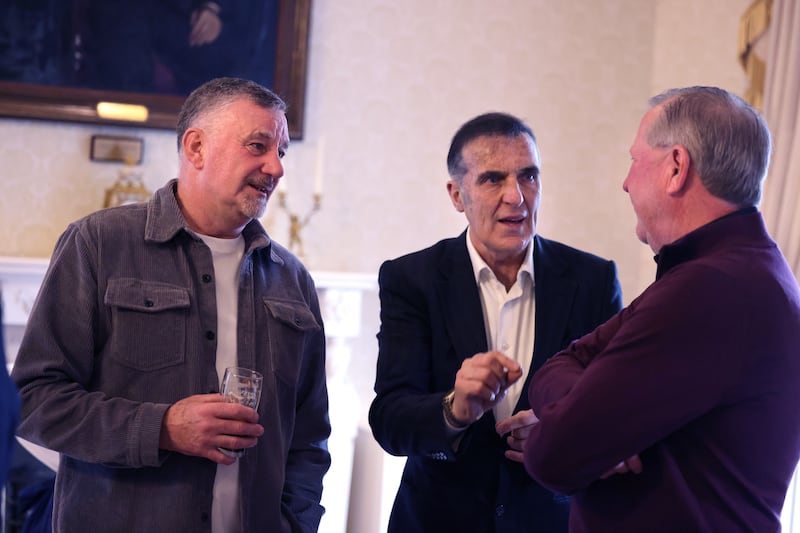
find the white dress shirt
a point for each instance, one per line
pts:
(509, 317)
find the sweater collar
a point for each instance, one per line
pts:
(744, 223)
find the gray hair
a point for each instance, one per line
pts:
(219, 92)
(728, 141)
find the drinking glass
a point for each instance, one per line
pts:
(241, 385)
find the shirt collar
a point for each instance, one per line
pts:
(165, 220)
(480, 268)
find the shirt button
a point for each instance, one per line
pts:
(204, 517)
(499, 510)
(210, 335)
(148, 303)
(207, 278)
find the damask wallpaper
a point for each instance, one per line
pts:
(388, 84)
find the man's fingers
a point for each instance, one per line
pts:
(619, 469)
(497, 395)
(523, 419)
(482, 382)
(236, 411)
(219, 457)
(634, 464)
(241, 428)
(508, 368)
(197, 425)
(514, 455)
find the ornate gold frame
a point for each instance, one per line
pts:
(47, 102)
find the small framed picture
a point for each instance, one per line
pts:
(119, 149)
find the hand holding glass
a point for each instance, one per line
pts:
(243, 386)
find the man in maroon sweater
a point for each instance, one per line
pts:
(681, 412)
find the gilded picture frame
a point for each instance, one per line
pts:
(53, 100)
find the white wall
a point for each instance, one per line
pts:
(388, 84)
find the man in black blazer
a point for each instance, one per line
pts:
(464, 325)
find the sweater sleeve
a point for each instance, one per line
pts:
(631, 382)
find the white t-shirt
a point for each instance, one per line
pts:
(227, 255)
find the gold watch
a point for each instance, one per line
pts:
(447, 407)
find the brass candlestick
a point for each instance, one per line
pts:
(128, 188)
(296, 224)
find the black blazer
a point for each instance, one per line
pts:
(431, 320)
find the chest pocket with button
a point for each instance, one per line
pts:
(293, 320)
(148, 323)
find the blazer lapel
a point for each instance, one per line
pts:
(460, 301)
(555, 292)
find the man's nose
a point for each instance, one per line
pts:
(512, 193)
(272, 165)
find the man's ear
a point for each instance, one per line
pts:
(455, 195)
(192, 146)
(679, 164)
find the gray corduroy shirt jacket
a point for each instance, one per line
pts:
(123, 327)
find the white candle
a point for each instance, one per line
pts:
(320, 160)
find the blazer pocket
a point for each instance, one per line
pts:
(148, 323)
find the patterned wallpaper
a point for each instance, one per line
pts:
(389, 82)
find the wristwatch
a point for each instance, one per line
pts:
(447, 407)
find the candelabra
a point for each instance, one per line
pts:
(296, 223)
(128, 188)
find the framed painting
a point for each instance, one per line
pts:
(60, 58)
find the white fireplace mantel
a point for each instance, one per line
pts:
(21, 277)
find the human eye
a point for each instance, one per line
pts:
(491, 177)
(530, 175)
(256, 147)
